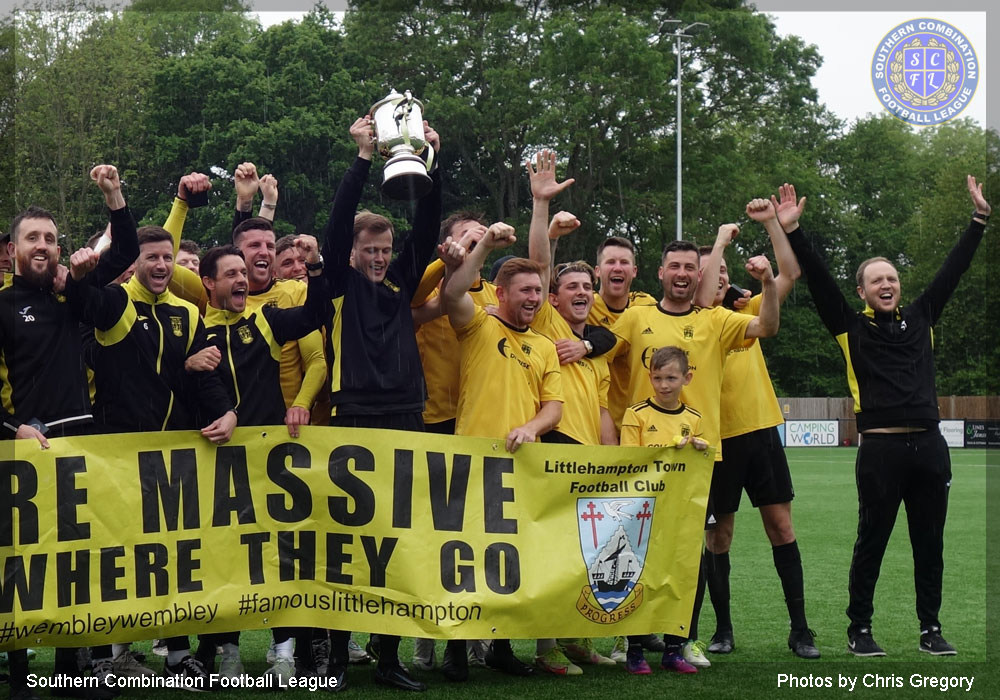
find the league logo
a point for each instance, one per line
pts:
(614, 538)
(925, 71)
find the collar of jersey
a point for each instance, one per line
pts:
(265, 290)
(674, 313)
(670, 411)
(894, 315)
(137, 292)
(222, 317)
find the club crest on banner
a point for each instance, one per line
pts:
(614, 539)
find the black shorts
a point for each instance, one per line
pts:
(756, 462)
(445, 427)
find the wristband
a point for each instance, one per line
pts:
(265, 205)
(980, 215)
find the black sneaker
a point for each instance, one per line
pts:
(502, 659)
(722, 642)
(861, 643)
(652, 642)
(801, 642)
(190, 673)
(933, 643)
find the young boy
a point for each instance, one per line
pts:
(662, 421)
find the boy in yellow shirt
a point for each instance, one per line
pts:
(662, 421)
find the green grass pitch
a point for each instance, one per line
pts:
(825, 517)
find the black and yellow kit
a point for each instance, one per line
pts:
(42, 372)
(251, 343)
(890, 370)
(142, 342)
(890, 360)
(648, 424)
(371, 345)
(705, 335)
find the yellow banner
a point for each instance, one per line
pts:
(126, 537)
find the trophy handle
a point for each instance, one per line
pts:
(430, 157)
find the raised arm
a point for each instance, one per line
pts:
(709, 283)
(268, 197)
(764, 324)
(765, 212)
(543, 188)
(831, 305)
(941, 287)
(124, 243)
(338, 234)
(462, 270)
(418, 248)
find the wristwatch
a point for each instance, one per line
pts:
(312, 267)
(980, 215)
(587, 344)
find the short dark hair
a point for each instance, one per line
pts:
(189, 246)
(705, 250)
(210, 263)
(515, 266)
(563, 268)
(617, 241)
(679, 247)
(365, 220)
(153, 234)
(284, 243)
(31, 212)
(461, 215)
(256, 223)
(665, 355)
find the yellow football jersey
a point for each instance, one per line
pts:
(506, 374)
(748, 400)
(584, 383)
(705, 335)
(647, 424)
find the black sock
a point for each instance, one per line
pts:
(502, 647)
(673, 643)
(699, 598)
(635, 641)
(339, 656)
(388, 650)
(788, 563)
(717, 577)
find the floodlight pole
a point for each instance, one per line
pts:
(678, 35)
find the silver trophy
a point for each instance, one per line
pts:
(398, 122)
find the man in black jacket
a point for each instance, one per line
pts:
(44, 380)
(902, 457)
(376, 378)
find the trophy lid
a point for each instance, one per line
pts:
(392, 97)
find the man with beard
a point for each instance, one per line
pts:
(43, 376)
(706, 336)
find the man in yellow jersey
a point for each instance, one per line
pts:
(706, 335)
(510, 377)
(753, 457)
(616, 270)
(585, 419)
